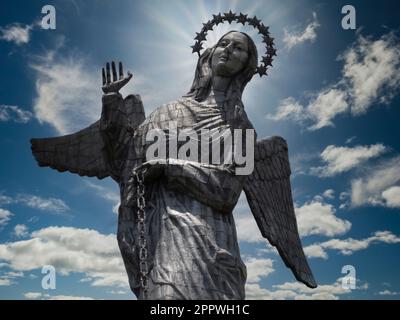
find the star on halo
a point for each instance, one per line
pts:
(254, 22)
(200, 36)
(262, 70)
(217, 19)
(230, 16)
(197, 47)
(208, 26)
(242, 18)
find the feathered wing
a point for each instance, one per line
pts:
(81, 152)
(87, 152)
(269, 195)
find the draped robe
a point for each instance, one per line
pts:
(193, 251)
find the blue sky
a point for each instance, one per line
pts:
(332, 94)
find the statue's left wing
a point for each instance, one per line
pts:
(268, 193)
(81, 152)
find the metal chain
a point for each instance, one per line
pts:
(141, 216)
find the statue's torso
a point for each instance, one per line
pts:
(184, 114)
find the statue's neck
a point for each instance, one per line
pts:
(220, 84)
(219, 88)
(216, 96)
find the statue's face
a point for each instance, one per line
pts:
(230, 55)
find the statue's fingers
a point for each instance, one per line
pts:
(121, 71)
(103, 73)
(108, 73)
(114, 71)
(125, 80)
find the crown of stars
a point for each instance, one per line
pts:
(243, 19)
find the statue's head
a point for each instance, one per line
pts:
(230, 55)
(234, 57)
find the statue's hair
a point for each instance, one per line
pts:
(201, 86)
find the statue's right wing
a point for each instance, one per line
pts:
(81, 152)
(94, 151)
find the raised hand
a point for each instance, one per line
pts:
(116, 83)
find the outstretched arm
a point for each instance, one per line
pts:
(119, 117)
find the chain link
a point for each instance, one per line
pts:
(141, 225)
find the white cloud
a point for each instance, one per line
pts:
(326, 106)
(45, 204)
(21, 230)
(39, 295)
(5, 199)
(351, 139)
(107, 193)
(329, 194)
(255, 292)
(341, 159)
(318, 218)
(68, 93)
(32, 295)
(388, 293)
(372, 70)
(322, 292)
(289, 108)
(247, 229)
(258, 268)
(14, 113)
(392, 197)
(315, 251)
(322, 108)
(246, 226)
(349, 246)
(295, 38)
(344, 195)
(5, 282)
(50, 204)
(300, 162)
(297, 291)
(375, 187)
(8, 278)
(69, 250)
(117, 292)
(268, 249)
(320, 111)
(13, 274)
(370, 75)
(33, 219)
(5, 217)
(64, 297)
(17, 33)
(115, 208)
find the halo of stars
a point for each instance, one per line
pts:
(266, 59)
